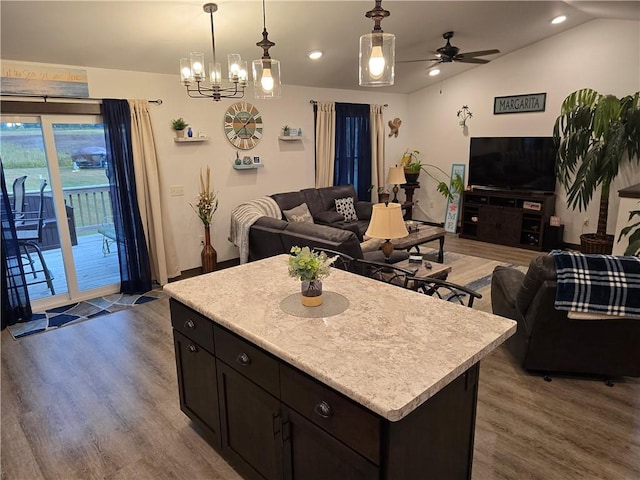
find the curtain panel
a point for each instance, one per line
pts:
(325, 143)
(135, 270)
(378, 178)
(15, 296)
(353, 148)
(155, 222)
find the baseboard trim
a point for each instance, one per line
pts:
(194, 272)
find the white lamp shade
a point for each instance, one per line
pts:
(377, 59)
(396, 176)
(386, 222)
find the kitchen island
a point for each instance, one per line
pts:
(384, 388)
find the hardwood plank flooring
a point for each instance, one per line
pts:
(99, 400)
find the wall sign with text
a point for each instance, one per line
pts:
(531, 102)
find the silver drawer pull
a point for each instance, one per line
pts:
(243, 359)
(189, 324)
(192, 348)
(323, 409)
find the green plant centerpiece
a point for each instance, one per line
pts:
(310, 267)
(446, 185)
(596, 134)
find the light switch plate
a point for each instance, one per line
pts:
(176, 190)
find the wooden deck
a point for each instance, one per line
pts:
(93, 269)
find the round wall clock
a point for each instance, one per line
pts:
(243, 125)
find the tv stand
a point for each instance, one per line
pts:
(517, 219)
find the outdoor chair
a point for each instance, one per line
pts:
(108, 231)
(29, 227)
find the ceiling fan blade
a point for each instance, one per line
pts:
(420, 60)
(480, 53)
(470, 60)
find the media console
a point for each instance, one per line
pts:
(516, 219)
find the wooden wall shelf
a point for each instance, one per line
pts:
(190, 139)
(248, 167)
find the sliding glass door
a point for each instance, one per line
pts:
(74, 258)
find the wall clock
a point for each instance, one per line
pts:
(243, 125)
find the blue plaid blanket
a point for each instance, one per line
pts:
(604, 284)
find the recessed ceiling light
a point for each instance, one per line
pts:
(314, 55)
(434, 72)
(559, 19)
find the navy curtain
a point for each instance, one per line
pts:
(135, 269)
(15, 296)
(353, 148)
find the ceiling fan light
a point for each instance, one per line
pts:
(434, 72)
(377, 59)
(559, 19)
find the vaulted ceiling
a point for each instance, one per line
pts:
(151, 36)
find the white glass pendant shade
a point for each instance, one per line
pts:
(243, 72)
(197, 66)
(215, 74)
(266, 78)
(377, 59)
(185, 72)
(234, 65)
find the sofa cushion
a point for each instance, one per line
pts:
(345, 207)
(299, 214)
(310, 235)
(314, 202)
(328, 217)
(288, 200)
(328, 195)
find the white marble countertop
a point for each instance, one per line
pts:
(390, 351)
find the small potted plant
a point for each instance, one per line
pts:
(178, 124)
(310, 267)
(286, 130)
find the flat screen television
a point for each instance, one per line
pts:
(515, 163)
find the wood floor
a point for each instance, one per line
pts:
(99, 400)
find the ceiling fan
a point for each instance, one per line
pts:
(450, 53)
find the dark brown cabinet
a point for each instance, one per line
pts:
(251, 425)
(271, 421)
(507, 218)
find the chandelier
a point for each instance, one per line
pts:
(266, 71)
(377, 52)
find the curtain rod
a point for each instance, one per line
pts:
(315, 102)
(45, 97)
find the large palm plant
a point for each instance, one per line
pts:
(595, 135)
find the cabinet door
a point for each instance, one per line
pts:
(251, 425)
(197, 386)
(313, 454)
(499, 224)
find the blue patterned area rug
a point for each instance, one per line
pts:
(81, 311)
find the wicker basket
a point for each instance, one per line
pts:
(592, 243)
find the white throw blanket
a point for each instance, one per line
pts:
(245, 215)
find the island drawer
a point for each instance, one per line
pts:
(192, 325)
(344, 419)
(248, 360)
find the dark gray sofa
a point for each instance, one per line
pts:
(274, 236)
(547, 340)
(321, 204)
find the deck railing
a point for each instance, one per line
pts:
(91, 205)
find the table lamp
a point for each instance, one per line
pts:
(396, 177)
(387, 223)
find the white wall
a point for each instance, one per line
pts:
(287, 165)
(601, 54)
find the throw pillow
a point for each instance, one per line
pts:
(345, 207)
(300, 213)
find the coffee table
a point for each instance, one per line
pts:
(425, 233)
(437, 270)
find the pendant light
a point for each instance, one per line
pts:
(377, 52)
(192, 70)
(266, 71)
